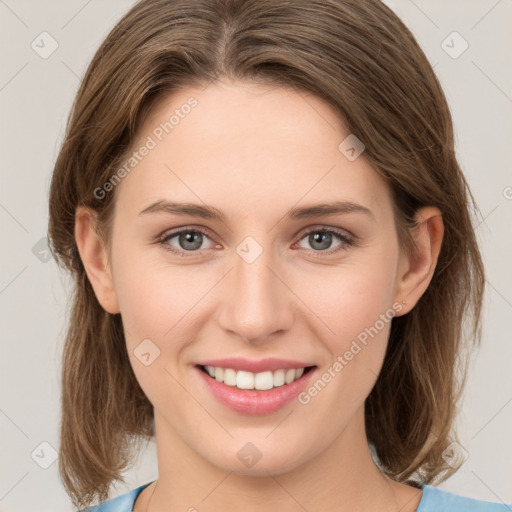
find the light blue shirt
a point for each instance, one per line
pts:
(432, 500)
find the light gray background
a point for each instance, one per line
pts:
(35, 98)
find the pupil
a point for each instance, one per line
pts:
(192, 238)
(318, 238)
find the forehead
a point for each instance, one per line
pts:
(249, 146)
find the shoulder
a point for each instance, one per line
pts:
(439, 500)
(122, 503)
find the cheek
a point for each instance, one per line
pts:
(154, 306)
(158, 302)
(352, 297)
(354, 303)
(153, 296)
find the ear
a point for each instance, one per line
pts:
(416, 270)
(95, 259)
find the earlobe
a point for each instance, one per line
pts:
(417, 269)
(95, 259)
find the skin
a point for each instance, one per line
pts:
(255, 152)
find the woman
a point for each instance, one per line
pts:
(270, 235)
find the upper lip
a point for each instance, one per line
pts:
(269, 364)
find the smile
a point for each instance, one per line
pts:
(261, 381)
(270, 386)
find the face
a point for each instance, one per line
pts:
(269, 282)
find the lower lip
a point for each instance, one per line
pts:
(253, 401)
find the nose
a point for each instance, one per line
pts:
(257, 303)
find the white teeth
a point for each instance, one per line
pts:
(248, 380)
(279, 378)
(244, 380)
(290, 376)
(264, 380)
(219, 374)
(229, 377)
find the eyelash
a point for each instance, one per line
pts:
(346, 241)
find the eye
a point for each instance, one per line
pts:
(187, 240)
(322, 239)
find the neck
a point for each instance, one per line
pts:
(342, 477)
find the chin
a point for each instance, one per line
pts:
(251, 461)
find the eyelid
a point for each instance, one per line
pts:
(322, 227)
(162, 241)
(347, 239)
(176, 231)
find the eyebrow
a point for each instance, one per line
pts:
(209, 212)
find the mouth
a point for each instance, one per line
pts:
(261, 393)
(261, 381)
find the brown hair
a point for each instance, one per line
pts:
(361, 59)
